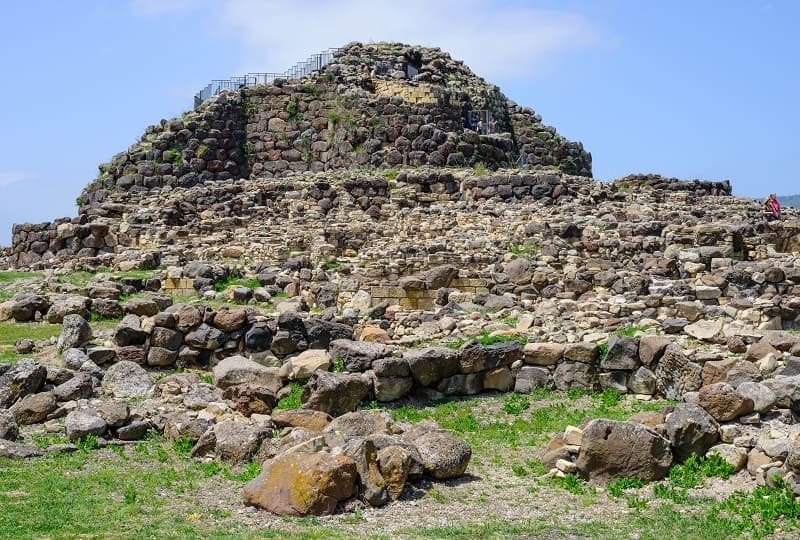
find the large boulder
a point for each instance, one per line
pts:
(25, 377)
(543, 354)
(206, 337)
(251, 399)
(75, 333)
(432, 364)
(623, 353)
(443, 455)
(79, 386)
(362, 423)
(651, 348)
(357, 355)
(611, 449)
(577, 375)
(723, 402)
(9, 429)
(334, 393)
(321, 333)
(34, 408)
(82, 422)
(12, 449)
(691, 430)
(71, 305)
(25, 307)
(762, 397)
(786, 390)
(372, 487)
(237, 441)
(239, 370)
(474, 357)
(129, 332)
(676, 375)
(300, 484)
(304, 418)
(127, 380)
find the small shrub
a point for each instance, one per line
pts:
(676, 495)
(573, 484)
(331, 265)
(691, 472)
(182, 445)
(291, 400)
(519, 470)
(291, 108)
(391, 174)
(437, 495)
(43, 440)
(602, 351)
(209, 468)
(88, 442)
(337, 365)
(610, 397)
(480, 168)
(536, 466)
(515, 403)
(636, 502)
(161, 454)
(617, 487)
(334, 117)
(248, 472)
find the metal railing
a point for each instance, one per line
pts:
(300, 69)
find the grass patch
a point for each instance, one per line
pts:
(292, 400)
(487, 339)
(617, 487)
(231, 281)
(691, 472)
(515, 403)
(629, 330)
(13, 276)
(516, 429)
(12, 331)
(573, 484)
(111, 494)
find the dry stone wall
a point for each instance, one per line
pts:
(382, 106)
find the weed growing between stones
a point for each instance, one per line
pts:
(291, 400)
(617, 487)
(487, 339)
(691, 472)
(182, 445)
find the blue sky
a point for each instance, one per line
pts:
(693, 89)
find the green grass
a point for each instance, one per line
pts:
(515, 403)
(629, 330)
(292, 400)
(120, 494)
(12, 276)
(230, 281)
(487, 339)
(691, 472)
(12, 331)
(519, 427)
(617, 487)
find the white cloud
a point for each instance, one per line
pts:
(496, 39)
(11, 177)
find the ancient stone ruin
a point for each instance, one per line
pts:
(349, 231)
